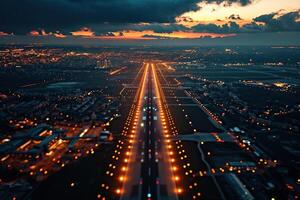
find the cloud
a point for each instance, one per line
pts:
(273, 22)
(230, 2)
(125, 18)
(107, 29)
(234, 17)
(110, 34)
(185, 35)
(184, 19)
(25, 15)
(280, 22)
(86, 32)
(22, 16)
(4, 33)
(156, 37)
(265, 18)
(42, 32)
(59, 35)
(231, 27)
(34, 33)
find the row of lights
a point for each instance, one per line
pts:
(182, 153)
(167, 141)
(213, 116)
(129, 131)
(134, 129)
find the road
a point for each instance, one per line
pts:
(149, 170)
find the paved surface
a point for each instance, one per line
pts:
(149, 175)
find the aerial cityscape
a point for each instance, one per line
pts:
(196, 100)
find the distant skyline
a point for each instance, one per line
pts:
(215, 22)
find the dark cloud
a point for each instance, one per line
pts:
(286, 22)
(156, 37)
(265, 18)
(184, 19)
(20, 16)
(58, 14)
(231, 27)
(234, 17)
(110, 34)
(230, 2)
(252, 27)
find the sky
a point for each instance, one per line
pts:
(272, 22)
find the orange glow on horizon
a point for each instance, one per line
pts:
(34, 33)
(86, 32)
(59, 35)
(150, 35)
(42, 32)
(2, 33)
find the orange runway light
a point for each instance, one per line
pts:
(118, 191)
(179, 190)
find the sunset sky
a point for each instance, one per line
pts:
(62, 20)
